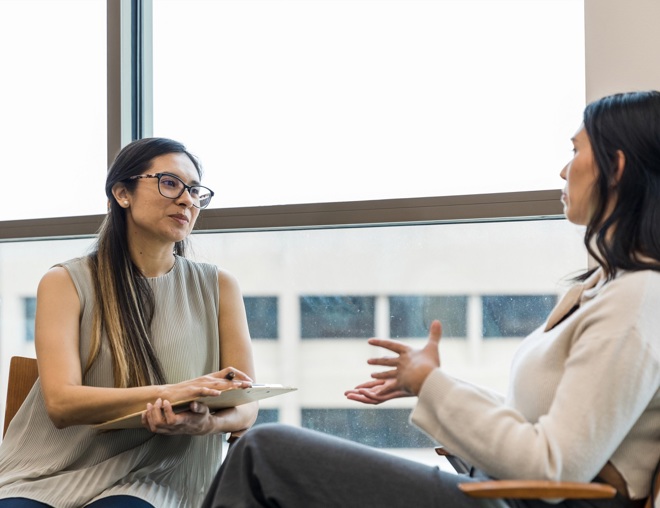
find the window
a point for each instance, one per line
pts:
(382, 427)
(410, 316)
(53, 104)
(323, 101)
(30, 305)
(336, 316)
(267, 416)
(247, 144)
(350, 295)
(515, 315)
(262, 316)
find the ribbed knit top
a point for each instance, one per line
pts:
(74, 466)
(584, 390)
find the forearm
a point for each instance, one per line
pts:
(560, 443)
(88, 405)
(234, 419)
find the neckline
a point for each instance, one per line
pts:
(170, 271)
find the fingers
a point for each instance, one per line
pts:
(387, 374)
(158, 415)
(435, 332)
(403, 376)
(393, 345)
(233, 374)
(385, 361)
(161, 418)
(358, 397)
(367, 397)
(368, 384)
(213, 384)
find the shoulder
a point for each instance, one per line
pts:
(223, 277)
(632, 296)
(58, 284)
(632, 300)
(55, 276)
(203, 270)
(78, 268)
(79, 263)
(63, 272)
(635, 287)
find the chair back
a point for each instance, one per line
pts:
(23, 373)
(655, 489)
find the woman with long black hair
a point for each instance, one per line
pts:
(584, 396)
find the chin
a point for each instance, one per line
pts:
(178, 236)
(578, 221)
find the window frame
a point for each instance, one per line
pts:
(129, 116)
(532, 205)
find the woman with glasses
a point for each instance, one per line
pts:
(132, 326)
(584, 397)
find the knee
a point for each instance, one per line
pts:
(260, 445)
(266, 433)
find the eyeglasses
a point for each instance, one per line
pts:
(172, 187)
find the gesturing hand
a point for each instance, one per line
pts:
(410, 369)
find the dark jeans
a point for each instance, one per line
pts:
(106, 502)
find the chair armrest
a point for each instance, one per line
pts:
(531, 489)
(459, 465)
(537, 489)
(233, 436)
(440, 450)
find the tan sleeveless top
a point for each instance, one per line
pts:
(74, 466)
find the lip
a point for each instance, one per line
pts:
(180, 218)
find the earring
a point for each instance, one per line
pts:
(125, 203)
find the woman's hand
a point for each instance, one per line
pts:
(375, 392)
(410, 369)
(197, 419)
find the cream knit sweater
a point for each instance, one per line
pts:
(582, 392)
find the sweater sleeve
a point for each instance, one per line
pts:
(609, 373)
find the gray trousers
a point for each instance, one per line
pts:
(288, 467)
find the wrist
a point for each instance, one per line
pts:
(421, 376)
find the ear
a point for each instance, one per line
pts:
(121, 194)
(620, 167)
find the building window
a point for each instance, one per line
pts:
(262, 316)
(267, 416)
(337, 317)
(410, 316)
(30, 306)
(382, 428)
(515, 315)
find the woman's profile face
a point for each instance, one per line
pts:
(580, 174)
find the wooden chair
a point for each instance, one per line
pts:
(538, 489)
(23, 373)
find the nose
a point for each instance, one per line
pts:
(185, 199)
(563, 172)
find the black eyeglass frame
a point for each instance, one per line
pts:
(185, 188)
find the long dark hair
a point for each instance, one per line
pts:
(124, 300)
(629, 238)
